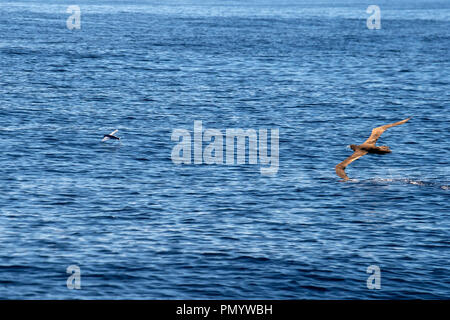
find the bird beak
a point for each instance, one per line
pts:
(349, 147)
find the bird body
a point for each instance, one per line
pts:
(110, 136)
(367, 147)
(371, 149)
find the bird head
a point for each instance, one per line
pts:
(352, 146)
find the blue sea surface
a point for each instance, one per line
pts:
(141, 227)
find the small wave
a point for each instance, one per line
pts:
(419, 183)
(413, 182)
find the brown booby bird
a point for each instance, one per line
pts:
(111, 136)
(367, 147)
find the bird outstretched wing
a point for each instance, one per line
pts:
(377, 132)
(340, 168)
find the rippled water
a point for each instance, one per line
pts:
(141, 227)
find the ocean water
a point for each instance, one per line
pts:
(141, 227)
